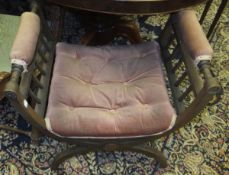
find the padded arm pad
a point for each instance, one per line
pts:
(191, 35)
(26, 39)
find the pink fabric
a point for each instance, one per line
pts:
(26, 39)
(191, 34)
(108, 92)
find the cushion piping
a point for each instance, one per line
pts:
(49, 128)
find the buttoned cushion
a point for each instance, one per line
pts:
(108, 91)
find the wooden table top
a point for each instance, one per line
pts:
(147, 7)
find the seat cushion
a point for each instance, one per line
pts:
(108, 91)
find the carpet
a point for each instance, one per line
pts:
(200, 148)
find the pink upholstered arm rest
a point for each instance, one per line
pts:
(192, 36)
(26, 39)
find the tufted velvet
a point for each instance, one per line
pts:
(108, 91)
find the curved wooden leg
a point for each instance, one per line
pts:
(143, 149)
(35, 135)
(151, 152)
(128, 30)
(70, 152)
(19, 131)
(88, 37)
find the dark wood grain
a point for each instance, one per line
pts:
(128, 6)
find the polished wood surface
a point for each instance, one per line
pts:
(128, 6)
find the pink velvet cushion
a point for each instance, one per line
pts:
(108, 91)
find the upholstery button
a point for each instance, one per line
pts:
(145, 105)
(112, 110)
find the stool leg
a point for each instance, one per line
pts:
(127, 30)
